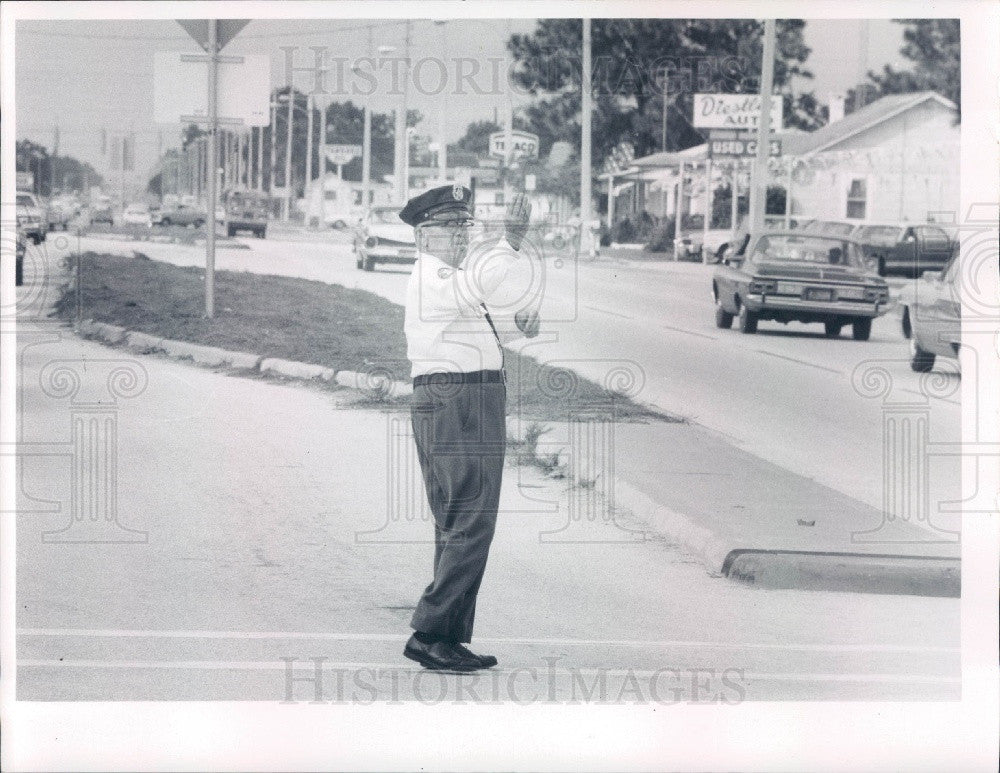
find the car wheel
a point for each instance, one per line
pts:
(230, 233)
(861, 329)
(832, 329)
(165, 221)
(723, 319)
(747, 320)
(369, 264)
(19, 272)
(35, 239)
(340, 224)
(907, 325)
(920, 360)
(198, 223)
(881, 266)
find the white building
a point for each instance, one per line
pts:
(896, 159)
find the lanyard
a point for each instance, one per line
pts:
(499, 345)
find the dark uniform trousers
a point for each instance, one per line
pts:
(460, 432)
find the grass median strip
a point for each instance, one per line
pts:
(305, 321)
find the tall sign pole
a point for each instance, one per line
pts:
(586, 242)
(758, 184)
(366, 158)
(213, 126)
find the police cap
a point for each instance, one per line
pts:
(436, 201)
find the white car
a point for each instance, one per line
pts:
(691, 244)
(931, 314)
(382, 237)
(137, 213)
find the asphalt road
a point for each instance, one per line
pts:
(815, 406)
(252, 496)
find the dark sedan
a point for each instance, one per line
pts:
(791, 276)
(905, 248)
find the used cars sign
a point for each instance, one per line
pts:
(734, 111)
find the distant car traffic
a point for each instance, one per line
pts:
(245, 211)
(20, 250)
(931, 312)
(182, 214)
(792, 276)
(32, 218)
(383, 238)
(137, 213)
(905, 248)
(102, 211)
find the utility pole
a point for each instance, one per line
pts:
(758, 183)
(309, 141)
(508, 141)
(288, 153)
(274, 142)
(442, 107)
(663, 128)
(586, 241)
(401, 140)
(213, 127)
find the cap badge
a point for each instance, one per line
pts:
(456, 192)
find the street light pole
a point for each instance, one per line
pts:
(309, 140)
(442, 107)
(274, 143)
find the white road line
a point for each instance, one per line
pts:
(300, 665)
(612, 313)
(124, 633)
(800, 362)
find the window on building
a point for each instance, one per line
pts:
(857, 198)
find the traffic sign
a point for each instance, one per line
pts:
(739, 148)
(342, 154)
(242, 91)
(227, 30)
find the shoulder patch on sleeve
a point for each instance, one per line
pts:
(444, 273)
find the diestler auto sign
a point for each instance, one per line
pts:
(734, 111)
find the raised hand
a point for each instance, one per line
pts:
(516, 219)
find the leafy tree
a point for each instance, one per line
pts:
(476, 138)
(935, 48)
(67, 172)
(633, 60)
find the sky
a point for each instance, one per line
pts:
(87, 75)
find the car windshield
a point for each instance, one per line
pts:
(388, 216)
(806, 249)
(880, 234)
(24, 201)
(837, 229)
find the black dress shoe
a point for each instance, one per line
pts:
(485, 661)
(439, 656)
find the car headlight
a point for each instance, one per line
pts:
(371, 242)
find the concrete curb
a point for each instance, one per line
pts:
(378, 384)
(796, 569)
(293, 369)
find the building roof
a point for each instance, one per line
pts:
(800, 143)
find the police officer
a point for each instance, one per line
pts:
(459, 405)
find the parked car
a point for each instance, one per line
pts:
(905, 248)
(245, 211)
(60, 212)
(692, 243)
(137, 213)
(828, 227)
(32, 218)
(791, 276)
(932, 316)
(382, 237)
(183, 214)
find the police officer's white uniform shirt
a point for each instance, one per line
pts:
(445, 322)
